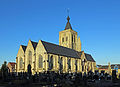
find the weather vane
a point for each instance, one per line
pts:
(68, 11)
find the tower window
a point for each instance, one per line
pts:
(74, 38)
(66, 38)
(62, 39)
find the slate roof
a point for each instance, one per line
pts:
(89, 57)
(34, 44)
(59, 50)
(68, 25)
(24, 47)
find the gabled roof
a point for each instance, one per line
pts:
(59, 50)
(34, 44)
(68, 25)
(24, 47)
(89, 57)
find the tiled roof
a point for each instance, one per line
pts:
(24, 47)
(89, 57)
(12, 63)
(34, 44)
(59, 50)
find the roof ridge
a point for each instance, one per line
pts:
(59, 50)
(34, 44)
(34, 41)
(59, 45)
(24, 45)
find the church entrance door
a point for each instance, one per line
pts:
(29, 69)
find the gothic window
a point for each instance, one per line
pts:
(21, 63)
(30, 57)
(72, 41)
(40, 61)
(88, 67)
(82, 68)
(64, 63)
(76, 64)
(60, 64)
(51, 62)
(83, 63)
(69, 64)
(74, 38)
(55, 61)
(91, 65)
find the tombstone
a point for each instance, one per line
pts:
(96, 77)
(102, 72)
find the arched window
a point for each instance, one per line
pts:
(69, 64)
(30, 57)
(40, 61)
(72, 41)
(51, 62)
(74, 38)
(21, 63)
(60, 63)
(91, 66)
(83, 64)
(63, 39)
(76, 64)
(55, 61)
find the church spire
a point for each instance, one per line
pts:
(68, 25)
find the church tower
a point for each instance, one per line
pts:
(68, 37)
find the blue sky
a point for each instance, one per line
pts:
(96, 21)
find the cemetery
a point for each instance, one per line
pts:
(59, 79)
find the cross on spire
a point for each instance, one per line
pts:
(68, 11)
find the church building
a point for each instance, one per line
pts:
(67, 57)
